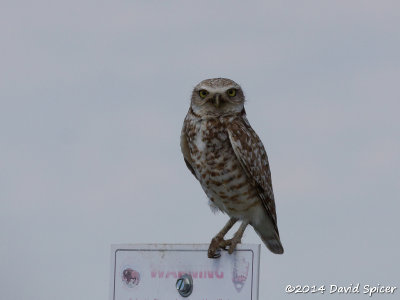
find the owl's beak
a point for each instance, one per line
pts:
(217, 100)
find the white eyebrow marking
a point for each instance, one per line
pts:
(217, 90)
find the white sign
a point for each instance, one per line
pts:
(150, 272)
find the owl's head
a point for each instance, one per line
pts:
(216, 97)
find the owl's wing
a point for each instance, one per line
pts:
(185, 149)
(252, 156)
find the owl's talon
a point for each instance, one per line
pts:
(229, 245)
(233, 245)
(224, 243)
(217, 244)
(213, 248)
(214, 253)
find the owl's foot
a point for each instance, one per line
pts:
(225, 243)
(237, 238)
(214, 250)
(232, 243)
(218, 242)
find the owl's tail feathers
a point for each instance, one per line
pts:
(274, 245)
(270, 239)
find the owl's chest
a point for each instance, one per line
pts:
(214, 159)
(209, 142)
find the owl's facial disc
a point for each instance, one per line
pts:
(214, 98)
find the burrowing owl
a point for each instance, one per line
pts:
(229, 160)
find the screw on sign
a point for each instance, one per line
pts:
(184, 285)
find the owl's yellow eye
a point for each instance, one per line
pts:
(231, 92)
(203, 93)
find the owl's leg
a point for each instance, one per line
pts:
(237, 238)
(219, 238)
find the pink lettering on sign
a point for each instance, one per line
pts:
(171, 274)
(155, 273)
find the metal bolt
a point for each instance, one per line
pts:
(184, 285)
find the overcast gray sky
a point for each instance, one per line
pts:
(92, 98)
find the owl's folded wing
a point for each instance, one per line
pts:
(186, 151)
(253, 158)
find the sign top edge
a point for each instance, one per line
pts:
(254, 247)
